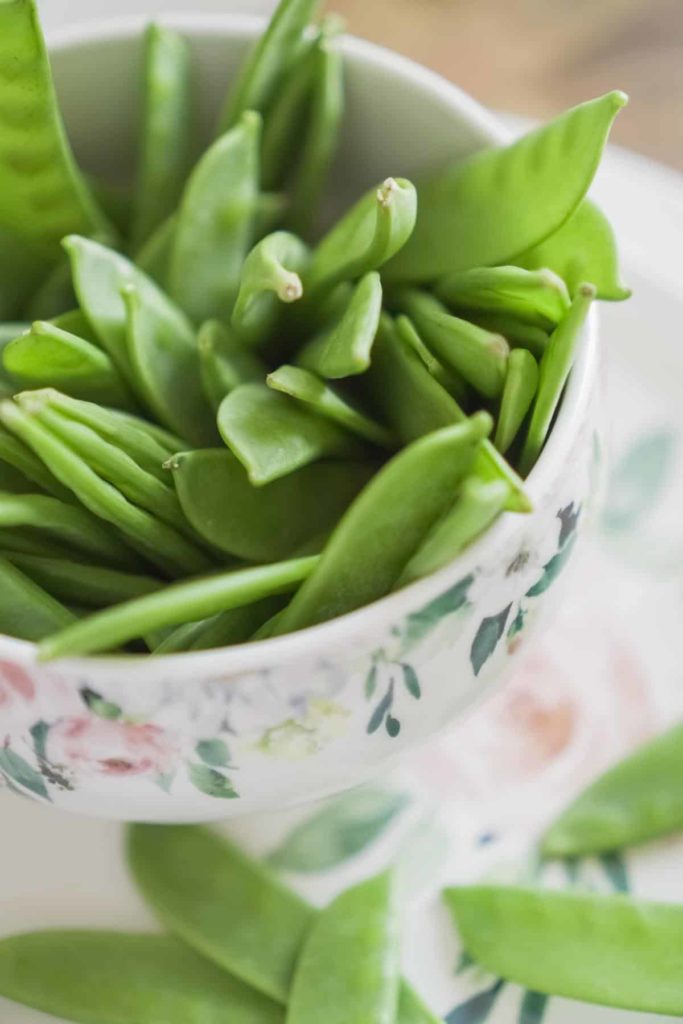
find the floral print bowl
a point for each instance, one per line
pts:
(217, 734)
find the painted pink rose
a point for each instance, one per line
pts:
(104, 747)
(17, 700)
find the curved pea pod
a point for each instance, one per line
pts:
(225, 362)
(272, 435)
(451, 381)
(309, 389)
(269, 279)
(517, 333)
(28, 612)
(366, 237)
(639, 799)
(81, 583)
(215, 223)
(554, 369)
(582, 249)
(386, 524)
(182, 602)
(43, 196)
(97, 977)
(612, 950)
(539, 297)
(257, 523)
(20, 457)
(519, 390)
(164, 359)
(233, 627)
(497, 204)
(346, 349)
(165, 130)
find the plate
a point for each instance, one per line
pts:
(606, 677)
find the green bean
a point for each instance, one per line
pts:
(385, 525)
(475, 354)
(516, 332)
(233, 627)
(519, 390)
(349, 962)
(165, 130)
(553, 372)
(98, 977)
(346, 349)
(91, 586)
(42, 194)
(272, 435)
(265, 523)
(309, 389)
(637, 800)
(611, 950)
(215, 223)
(451, 381)
(21, 458)
(269, 278)
(539, 297)
(182, 602)
(225, 362)
(27, 612)
(497, 204)
(273, 54)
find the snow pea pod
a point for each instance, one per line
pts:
(165, 130)
(500, 202)
(349, 961)
(385, 525)
(28, 612)
(18, 455)
(269, 278)
(215, 224)
(154, 257)
(451, 381)
(519, 390)
(98, 977)
(553, 372)
(611, 950)
(87, 585)
(272, 435)
(225, 362)
(638, 799)
(182, 602)
(283, 120)
(518, 333)
(233, 627)
(346, 349)
(257, 523)
(539, 297)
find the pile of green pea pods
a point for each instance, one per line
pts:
(210, 413)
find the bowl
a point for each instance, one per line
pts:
(217, 734)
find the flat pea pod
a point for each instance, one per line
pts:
(273, 436)
(553, 372)
(518, 333)
(639, 799)
(96, 977)
(28, 612)
(583, 249)
(497, 204)
(223, 630)
(258, 523)
(311, 390)
(537, 296)
(475, 508)
(346, 349)
(182, 602)
(349, 961)
(20, 457)
(451, 381)
(519, 390)
(215, 223)
(225, 362)
(479, 356)
(272, 55)
(385, 525)
(165, 130)
(612, 950)
(269, 278)
(43, 196)
(90, 586)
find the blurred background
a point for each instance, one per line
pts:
(531, 57)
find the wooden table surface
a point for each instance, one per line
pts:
(537, 57)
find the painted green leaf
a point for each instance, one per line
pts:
(533, 1008)
(213, 752)
(476, 1009)
(393, 726)
(371, 682)
(380, 712)
(517, 624)
(22, 773)
(420, 623)
(614, 866)
(552, 569)
(638, 481)
(487, 637)
(39, 733)
(411, 681)
(100, 707)
(341, 830)
(569, 518)
(211, 782)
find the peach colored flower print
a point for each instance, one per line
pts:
(104, 747)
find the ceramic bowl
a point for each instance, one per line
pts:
(223, 733)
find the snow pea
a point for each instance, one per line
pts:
(26, 610)
(612, 950)
(385, 525)
(269, 278)
(182, 602)
(283, 120)
(18, 455)
(96, 977)
(225, 362)
(497, 204)
(451, 381)
(517, 333)
(640, 798)
(215, 223)
(346, 349)
(519, 390)
(553, 372)
(154, 256)
(272, 435)
(539, 297)
(165, 130)
(257, 523)
(233, 627)
(87, 585)
(349, 961)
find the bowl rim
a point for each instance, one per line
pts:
(316, 640)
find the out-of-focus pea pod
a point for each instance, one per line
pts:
(519, 390)
(345, 350)
(225, 362)
(538, 297)
(269, 278)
